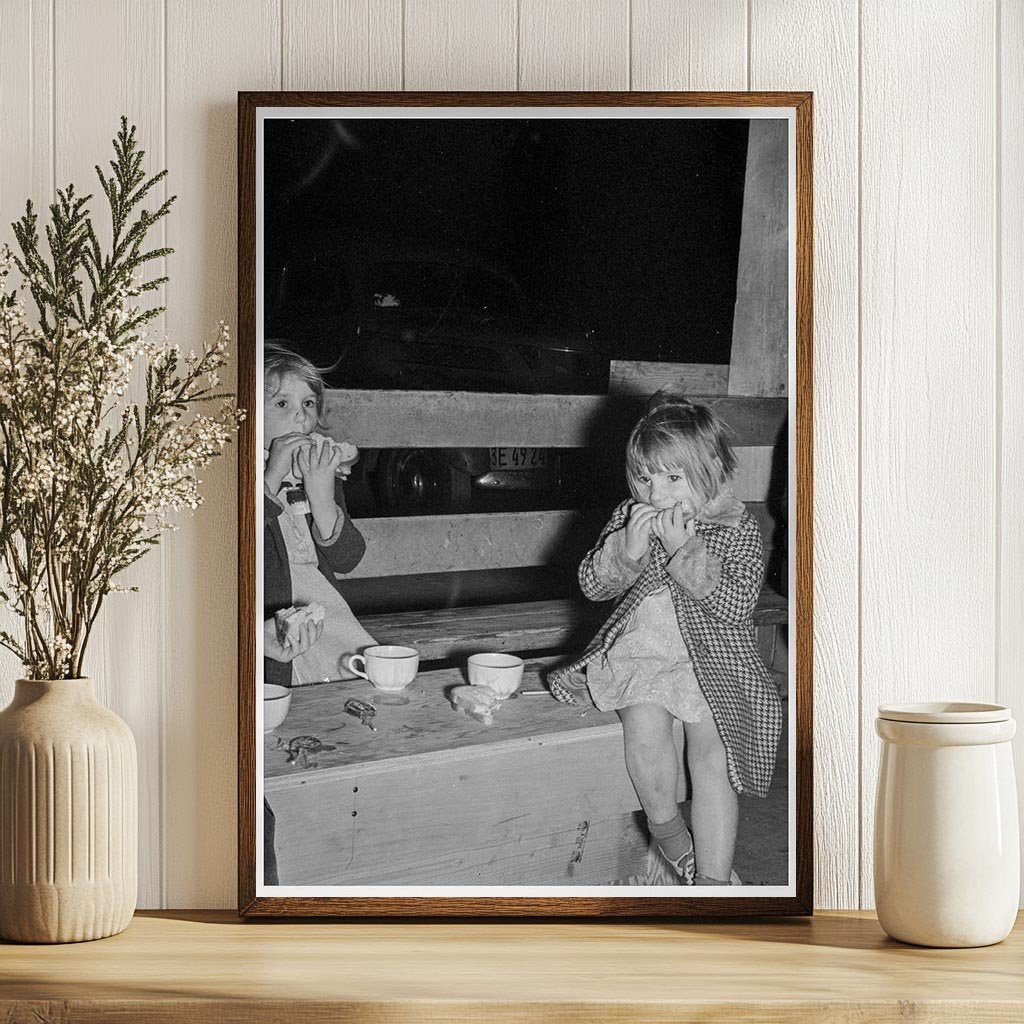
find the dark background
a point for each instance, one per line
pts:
(626, 228)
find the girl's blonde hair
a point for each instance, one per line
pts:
(280, 362)
(677, 434)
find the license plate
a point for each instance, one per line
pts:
(519, 458)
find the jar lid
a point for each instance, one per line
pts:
(945, 713)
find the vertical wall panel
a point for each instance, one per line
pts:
(1011, 253)
(928, 516)
(814, 46)
(691, 44)
(574, 44)
(470, 44)
(26, 102)
(342, 44)
(26, 169)
(213, 51)
(126, 649)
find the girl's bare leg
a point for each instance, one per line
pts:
(651, 759)
(714, 806)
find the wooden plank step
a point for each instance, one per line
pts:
(455, 632)
(445, 633)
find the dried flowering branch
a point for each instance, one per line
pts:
(89, 478)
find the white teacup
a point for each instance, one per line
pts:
(276, 700)
(501, 673)
(388, 666)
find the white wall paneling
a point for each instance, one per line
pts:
(213, 51)
(342, 45)
(26, 106)
(26, 168)
(928, 363)
(789, 51)
(699, 44)
(126, 654)
(573, 44)
(466, 44)
(919, 303)
(1009, 256)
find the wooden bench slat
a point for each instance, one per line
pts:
(456, 632)
(447, 633)
(412, 545)
(451, 543)
(450, 419)
(641, 378)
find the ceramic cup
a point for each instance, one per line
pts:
(276, 700)
(388, 666)
(501, 673)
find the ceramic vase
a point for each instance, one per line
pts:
(68, 815)
(947, 842)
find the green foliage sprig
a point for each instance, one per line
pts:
(90, 478)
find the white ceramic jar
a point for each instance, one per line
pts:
(947, 841)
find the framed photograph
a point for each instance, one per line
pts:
(525, 497)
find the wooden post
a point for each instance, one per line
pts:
(760, 336)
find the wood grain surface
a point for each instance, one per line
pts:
(341, 44)
(527, 626)
(573, 45)
(209, 968)
(442, 419)
(129, 641)
(1010, 325)
(831, 70)
(226, 47)
(556, 809)
(641, 378)
(468, 45)
(913, 329)
(700, 44)
(419, 721)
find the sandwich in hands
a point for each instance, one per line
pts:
(349, 452)
(288, 621)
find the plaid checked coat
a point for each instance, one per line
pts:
(714, 580)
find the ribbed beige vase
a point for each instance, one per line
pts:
(68, 815)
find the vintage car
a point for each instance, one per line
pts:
(410, 317)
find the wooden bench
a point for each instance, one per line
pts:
(571, 816)
(435, 797)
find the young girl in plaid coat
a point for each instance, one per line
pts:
(684, 559)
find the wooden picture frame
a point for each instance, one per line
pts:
(401, 807)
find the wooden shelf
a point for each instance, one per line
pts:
(210, 967)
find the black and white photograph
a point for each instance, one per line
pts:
(525, 379)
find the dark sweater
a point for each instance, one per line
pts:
(341, 556)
